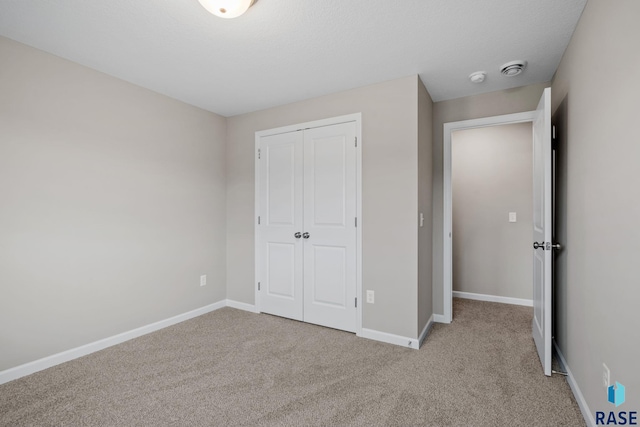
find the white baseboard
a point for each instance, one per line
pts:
(582, 403)
(425, 331)
(241, 306)
(365, 333)
(389, 338)
(493, 298)
(439, 318)
(74, 353)
(65, 356)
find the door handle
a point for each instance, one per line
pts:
(306, 235)
(297, 235)
(548, 247)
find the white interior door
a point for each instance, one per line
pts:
(330, 226)
(542, 229)
(281, 186)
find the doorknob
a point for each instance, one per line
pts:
(548, 247)
(306, 235)
(297, 235)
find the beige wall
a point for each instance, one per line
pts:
(113, 205)
(486, 105)
(390, 188)
(491, 175)
(596, 107)
(425, 185)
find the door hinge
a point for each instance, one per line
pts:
(258, 285)
(356, 221)
(258, 154)
(554, 132)
(356, 302)
(356, 141)
(258, 220)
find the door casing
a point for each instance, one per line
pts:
(357, 118)
(447, 255)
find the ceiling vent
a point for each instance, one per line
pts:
(513, 68)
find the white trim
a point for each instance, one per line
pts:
(425, 331)
(446, 194)
(582, 402)
(256, 226)
(389, 338)
(355, 117)
(358, 119)
(439, 318)
(493, 298)
(241, 306)
(74, 353)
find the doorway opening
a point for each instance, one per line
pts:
(492, 213)
(448, 256)
(543, 244)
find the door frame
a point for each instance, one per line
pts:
(355, 117)
(447, 205)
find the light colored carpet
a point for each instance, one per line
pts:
(235, 368)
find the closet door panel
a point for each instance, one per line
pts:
(329, 220)
(328, 195)
(329, 279)
(281, 186)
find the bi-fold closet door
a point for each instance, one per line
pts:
(307, 232)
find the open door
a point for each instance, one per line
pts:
(542, 229)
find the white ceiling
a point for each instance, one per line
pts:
(282, 51)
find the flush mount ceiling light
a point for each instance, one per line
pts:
(227, 8)
(513, 68)
(477, 77)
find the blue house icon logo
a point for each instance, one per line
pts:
(616, 394)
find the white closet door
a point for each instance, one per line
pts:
(281, 199)
(329, 220)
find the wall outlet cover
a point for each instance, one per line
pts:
(203, 280)
(606, 375)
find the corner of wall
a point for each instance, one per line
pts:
(425, 208)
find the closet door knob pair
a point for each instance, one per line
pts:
(298, 235)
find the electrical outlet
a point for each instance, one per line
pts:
(370, 297)
(513, 217)
(203, 280)
(606, 376)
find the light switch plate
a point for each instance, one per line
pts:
(512, 217)
(370, 297)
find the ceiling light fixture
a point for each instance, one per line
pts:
(513, 68)
(477, 77)
(227, 8)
